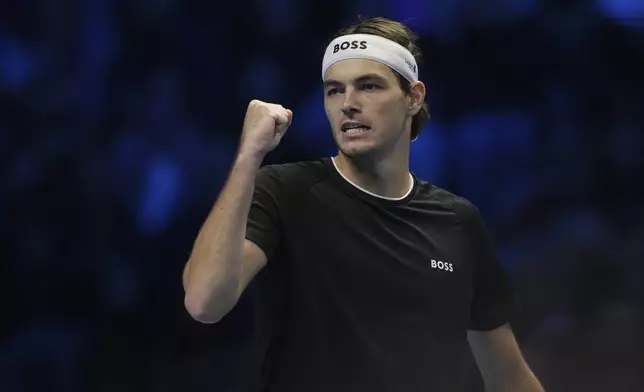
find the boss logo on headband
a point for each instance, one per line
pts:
(349, 44)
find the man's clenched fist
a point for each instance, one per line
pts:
(264, 127)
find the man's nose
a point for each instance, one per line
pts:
(350, 104)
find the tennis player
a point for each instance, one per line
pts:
(372, 280)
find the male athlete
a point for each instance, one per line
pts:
(371, 279)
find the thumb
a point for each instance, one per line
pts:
(281, 119)
(284, 122)
(289, 116)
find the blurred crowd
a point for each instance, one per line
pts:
(119, 122)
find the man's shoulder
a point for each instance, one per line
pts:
(460, 205)
(294, 175)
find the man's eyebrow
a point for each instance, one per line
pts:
(363, 78)
(331, 82)
(370, 76)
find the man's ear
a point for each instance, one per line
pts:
(416, 97)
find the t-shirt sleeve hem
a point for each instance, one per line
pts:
(261, 241)
(497, 316)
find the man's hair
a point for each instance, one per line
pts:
(401, 34)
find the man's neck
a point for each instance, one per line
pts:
(386, 178)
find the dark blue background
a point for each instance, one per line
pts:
(119, 121)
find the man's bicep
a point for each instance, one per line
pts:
(253, 260)
(494, 345)
(262, 226)
(264, 223)
(493, 303)
(496, 352)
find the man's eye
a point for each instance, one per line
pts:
(331, 91)
(370, 86)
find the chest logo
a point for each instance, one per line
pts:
(441, 265)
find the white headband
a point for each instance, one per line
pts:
(371, 47)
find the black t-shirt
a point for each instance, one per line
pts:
(363, 293)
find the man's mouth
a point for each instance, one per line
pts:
(354, 128)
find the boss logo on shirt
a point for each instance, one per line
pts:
(349, 44)
(441, 265)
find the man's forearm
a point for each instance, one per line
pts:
(521, 380)
(210, 277)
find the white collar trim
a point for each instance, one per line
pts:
(411, 188)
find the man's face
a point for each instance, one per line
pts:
(365, 94)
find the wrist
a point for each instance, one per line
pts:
(251, 160)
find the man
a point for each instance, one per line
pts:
(374, 280)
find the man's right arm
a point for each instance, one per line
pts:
(223, 261)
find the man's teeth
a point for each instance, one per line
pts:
(351, 131)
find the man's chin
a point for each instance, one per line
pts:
(358, 152)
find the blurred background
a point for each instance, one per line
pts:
(119, 121)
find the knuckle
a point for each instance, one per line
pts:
(256, 103)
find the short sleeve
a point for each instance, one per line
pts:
(263, 226)
(494, 302)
